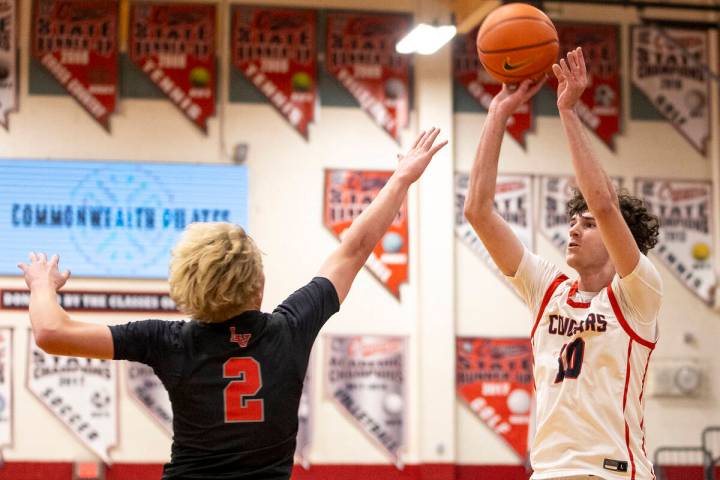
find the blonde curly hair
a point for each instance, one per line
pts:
(216, 271)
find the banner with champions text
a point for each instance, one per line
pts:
(276, 50)
(469, 72)
(7, 406)
(174, 45)
(80, 392)
(513, 202)
(495, 380)
(361, 55)
(8, 59)
(365, 377)
(599, 105)
(669, 66)
(77, 42)
(347, 194)
(148, 391)
(685, 210)
(555, 192)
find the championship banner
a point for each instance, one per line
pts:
(495, 379)
(276, 49)
(6, 386)
(469, 72)
(80, 392)
(305, 415)
(599, 105)
(8, 63)
(555, 192)
(347, 193)
(365, 378)
(685, 210)
(361, 55)
(88, 301)
(76, 41)
(174, 45)
(669, 66)
(513, 201)
(148, 391)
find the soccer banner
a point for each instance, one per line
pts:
(6, 386)
(347, 193)
(685, 210)
(305, 416)
(495, 379)
(80, 392)
(599, 105)
(361, 55)
(365, 378)
(469, 72)
(148, 391)
(174, 45)
(276, 49)
(8, 59)
(669, 66)
(76, 41)
(555, 192)
(513, 201)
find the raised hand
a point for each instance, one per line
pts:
(507, 101)
(43, 273)
(413, 163)
(572, 79)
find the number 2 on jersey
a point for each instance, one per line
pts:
(237, 407)
(570, 360)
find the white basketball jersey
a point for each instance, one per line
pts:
(589, 371)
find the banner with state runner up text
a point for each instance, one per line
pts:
(276, 50)
(365, 377)
(77, 42)
(469, 72)
(347, 194)
(174, 45)
(148, 391)
(361, 54)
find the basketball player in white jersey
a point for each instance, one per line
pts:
(592, 336)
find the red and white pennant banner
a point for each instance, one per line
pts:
(8, 63)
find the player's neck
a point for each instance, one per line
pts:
(595, 279)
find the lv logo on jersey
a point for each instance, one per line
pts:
(241, 339)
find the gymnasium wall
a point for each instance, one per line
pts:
(451, 292)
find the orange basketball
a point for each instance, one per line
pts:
(517, 41)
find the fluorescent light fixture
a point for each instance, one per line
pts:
(425, 39)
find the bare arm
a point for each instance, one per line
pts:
(342, 266)
(592, 180)
(497, 236)
(55, 332)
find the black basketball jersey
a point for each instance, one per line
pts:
(235, 386)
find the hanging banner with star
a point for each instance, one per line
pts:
(361, 54)
(365, 377)
(685, 210)
(174, 45)
(669, 66)
(469, 72)
(276, 50)
(347, 194)
(77, 42)
(599, 105)
(495, 380)
(8, 60)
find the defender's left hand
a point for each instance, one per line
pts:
(572, 79)
(43, 273)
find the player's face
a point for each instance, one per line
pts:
(585, 249)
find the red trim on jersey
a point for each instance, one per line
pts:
(571, 293)
(546, 299)
(642, 419)
(627, 428)
(624, 324)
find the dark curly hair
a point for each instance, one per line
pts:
(645, 226)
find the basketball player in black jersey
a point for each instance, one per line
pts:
(234, 373)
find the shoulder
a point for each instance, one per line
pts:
(152, 330)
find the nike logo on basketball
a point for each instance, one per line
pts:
(507, 66)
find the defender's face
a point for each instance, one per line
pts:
(585, 246)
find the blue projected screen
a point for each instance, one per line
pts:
(111, 219)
